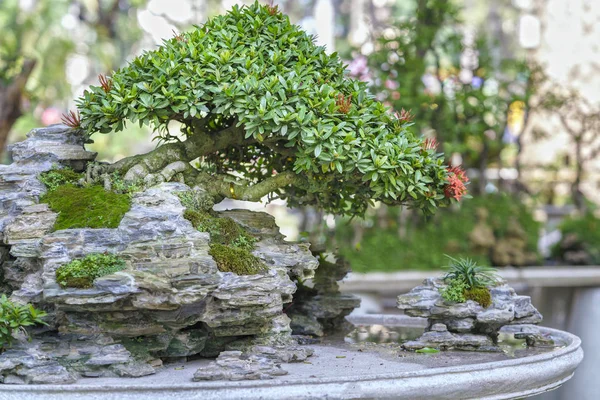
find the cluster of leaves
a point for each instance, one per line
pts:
(424, 241)
(15, 317)
(57, 177)
(253, 68)
(454, 291)
(81, 273)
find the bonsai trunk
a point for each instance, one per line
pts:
(578, 196)
(172, 158)
(483, 161)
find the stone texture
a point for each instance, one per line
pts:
(468, 325)
(62, 359)
(170, 301)
(318, 307)
(445, 340)
(171, 282)
(235, 366)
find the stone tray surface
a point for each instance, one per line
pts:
(343, 372)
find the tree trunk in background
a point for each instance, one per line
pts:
(10, 101)
(483, 162)
(578, 196)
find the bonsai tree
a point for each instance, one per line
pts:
(264, 111)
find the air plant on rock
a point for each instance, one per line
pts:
(468, 281)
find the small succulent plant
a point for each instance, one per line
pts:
(471, 274)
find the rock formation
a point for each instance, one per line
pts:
(318, 307)
(465, 326)
(170, 301)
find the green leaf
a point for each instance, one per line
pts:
(318, 150)
(427, 350)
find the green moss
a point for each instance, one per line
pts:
(197, 218)
(58, 177)
(86, 207)
(223, 231)
(196, 201)
(82, 272)
(236, 260)
(227, 232)
(231, 244)
(480, 295)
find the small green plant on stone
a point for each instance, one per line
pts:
(119, 185)
(196, 201)
(473, 275)
(468, 281)
(244, 242)
(15, 317)
(454, 292)
(81, 273)
(57, 177)
(196, 218)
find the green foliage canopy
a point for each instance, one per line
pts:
(251, 71)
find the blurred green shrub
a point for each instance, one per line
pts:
(580, 243)
(492, 230)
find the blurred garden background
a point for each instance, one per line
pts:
(509, 89)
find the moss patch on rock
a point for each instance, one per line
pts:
(196, 218)
(86, 207)
(227, 232)
(224, 230)
(236, 260)
(55, 178)
(196, 201)
(81, 273)
(231, 245)
(480, 295)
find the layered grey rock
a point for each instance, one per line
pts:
(170, 301)
(22, 220)
(235, 366)
(468, 325)
(319, 308)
